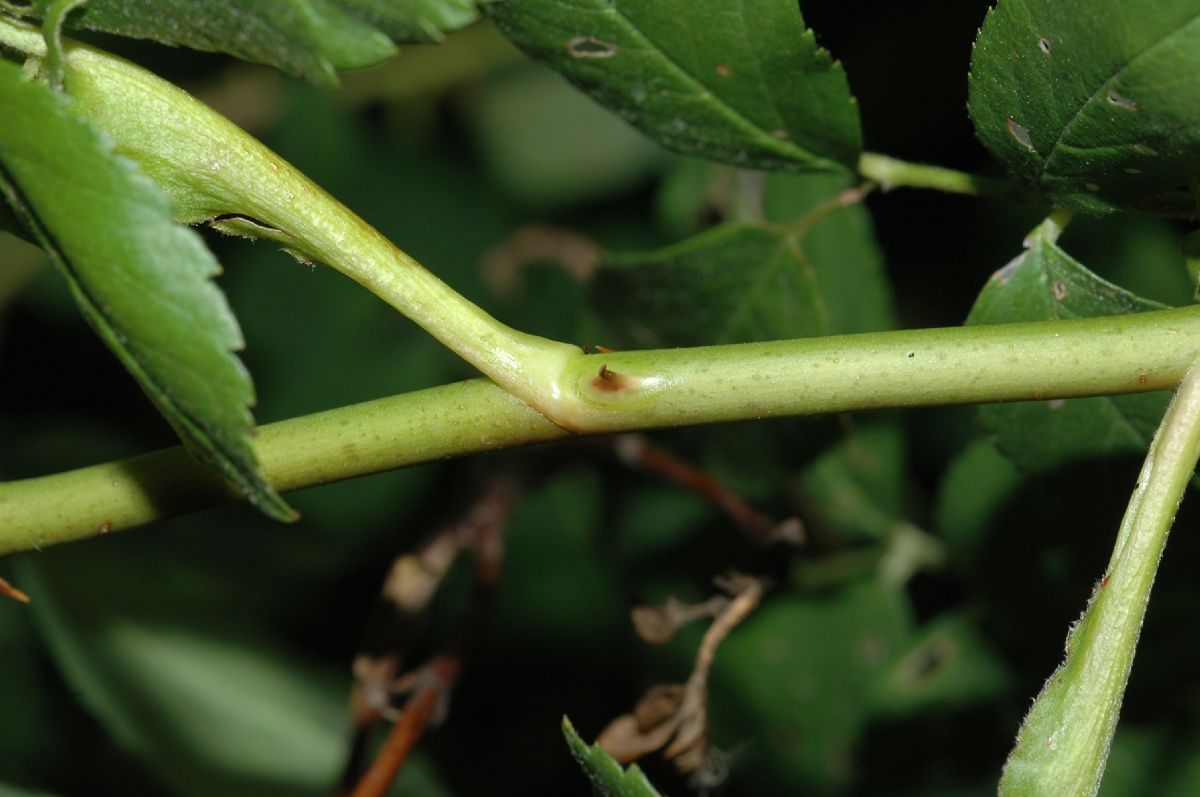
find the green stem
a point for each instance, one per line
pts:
(212, 170)
(895, 173)
(632, 390)
(1064, 741)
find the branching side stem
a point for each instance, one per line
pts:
(1065, 739)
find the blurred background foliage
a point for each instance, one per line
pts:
(896, 651)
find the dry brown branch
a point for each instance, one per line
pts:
(408, 589)
(436, 681)
(673, 717)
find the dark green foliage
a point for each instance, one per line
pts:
(1093, 102)
(1043, 283)
(795, 275)
(895, 652)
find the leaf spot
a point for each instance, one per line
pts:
(780, 134)
(1056, 404)
(1020, 132)
(1059, 289)
(723, 70)
(1133, 171)
(590, 47)
(1145, 150)
(1121, 101)
(1091, 186)
(1044, 45)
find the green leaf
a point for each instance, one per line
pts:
(309, 38)
(143, 282)
(1045, 283)
(1096, 103)
(549, 146)
(976, 486)
(12, 791)
(857, 488)
(797, 676)
(606, 774)
(753, 281)
(209, 710)
(739, 81)
(949, 663)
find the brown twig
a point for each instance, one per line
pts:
(438, 677)
(636, 451)
(9, 591)
(408, 589)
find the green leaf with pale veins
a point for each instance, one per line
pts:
(815, 275)
(1096, 103)
(309, 38)
(1045, 283)
(607, 776)
(143, 282)
(740, 81)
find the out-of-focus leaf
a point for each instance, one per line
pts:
(1096, 103)
(796, 678)
(309, 38)
(748, 281)
(1045, 283)
(975, 487)
(1135, 765)
(948, 664)
(143, 282)
(856, 490)
(549, 146)
(210, 703)
(556, 586)
(739, 81)
(606, 774)
(209, 712)
(12, 791)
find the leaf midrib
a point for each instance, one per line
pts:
(762, 138)
(1062, 134)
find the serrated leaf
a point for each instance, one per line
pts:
(751, 281)
(740, 81)
(1046, 283)
(1096, 103)
(142, 282)
(607, 776)
(308, 38)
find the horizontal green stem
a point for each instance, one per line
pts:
(895, 173)
(631, 390)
